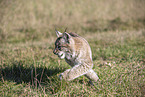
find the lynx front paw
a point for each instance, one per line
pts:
(64, 75)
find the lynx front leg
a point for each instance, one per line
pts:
(76, 71)
(92, 76)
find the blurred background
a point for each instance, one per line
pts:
(35, 20)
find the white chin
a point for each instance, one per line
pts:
(62, 56)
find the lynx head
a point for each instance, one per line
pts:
(62, 44)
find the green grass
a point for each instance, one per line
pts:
(115, 33)
(33, 70)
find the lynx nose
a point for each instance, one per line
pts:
(55, 52)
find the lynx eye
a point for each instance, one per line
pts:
(59, 47)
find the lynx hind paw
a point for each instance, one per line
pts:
(60, 76)
(91, 83)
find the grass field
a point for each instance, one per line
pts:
(115, 30)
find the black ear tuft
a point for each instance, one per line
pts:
(65, 30)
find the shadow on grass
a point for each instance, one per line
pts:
(19, 73)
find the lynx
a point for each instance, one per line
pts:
(77, 53)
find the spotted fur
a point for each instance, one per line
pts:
(77, 53)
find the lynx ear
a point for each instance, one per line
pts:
(58, 33)
(66, 36)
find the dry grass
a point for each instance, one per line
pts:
(22, 21)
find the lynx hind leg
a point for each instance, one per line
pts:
(92, 76)
(75, 72)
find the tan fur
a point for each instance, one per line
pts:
(77, 53)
